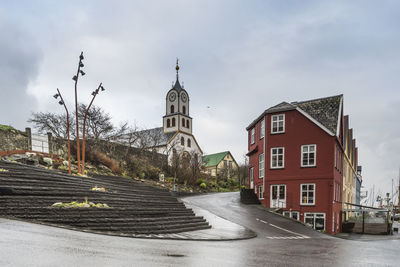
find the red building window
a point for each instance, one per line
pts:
(278, 123)
(308, 155)
(307, 193)
(277, 157)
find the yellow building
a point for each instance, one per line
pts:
(349, 166)
(221, 163)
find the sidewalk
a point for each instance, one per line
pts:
(221, 229)
(366, 237)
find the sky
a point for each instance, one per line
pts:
(237, 58)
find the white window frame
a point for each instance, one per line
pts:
(261, 170)
(277, 155)
(301, 194)
(252, 135)
(308, 152)
(281, 202)
(290, 214)
(275, 119)
(314, 217)
(298, 215)
(262, 129)
(251, 177)
(261, 192)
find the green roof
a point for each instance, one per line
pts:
(214, 159)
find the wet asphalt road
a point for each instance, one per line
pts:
(280, 242)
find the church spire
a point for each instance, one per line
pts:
(177, 85)
(177, 69)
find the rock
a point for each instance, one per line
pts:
(57, 204)
(65, 163)
(48, 161)
(86, 205)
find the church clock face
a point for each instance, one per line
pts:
(184, 97)
(172, 97)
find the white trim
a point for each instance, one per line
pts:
(278, 200)
(314, 217)
(253, 135)
(314, 121)
(261, 191)
(259, 166)
(301, 194)
(315, 155)
(262, 129)
(339, 116)
(283, 158)
(251, 177)
(272, 123)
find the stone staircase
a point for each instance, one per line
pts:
(28, 192)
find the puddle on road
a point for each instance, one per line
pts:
(174, 255)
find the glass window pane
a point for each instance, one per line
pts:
(312, 148)
(310, 187)
(274, 192)
(304, 187)
(282, 192)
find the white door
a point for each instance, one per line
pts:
(251, 178)
(278, 196)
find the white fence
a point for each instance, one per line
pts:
(40, 143)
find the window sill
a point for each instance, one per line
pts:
(308, 205)
(313, 166)
(277, 133)
(277, 168)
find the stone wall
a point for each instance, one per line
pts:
(12, 139)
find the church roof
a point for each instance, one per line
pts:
(177, 86)
(155, 137)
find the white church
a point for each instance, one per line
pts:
(175, 136)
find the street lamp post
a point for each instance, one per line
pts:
(94, 94)
(75, 78)
(61, 102)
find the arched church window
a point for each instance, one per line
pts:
(183, 122)
(189, 143)
(182, 141)
(168, 123)
(172, 108)
(184, 109)
(187, 124)
(173, 122)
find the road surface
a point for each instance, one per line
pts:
(279, 242)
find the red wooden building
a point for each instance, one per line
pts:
(296, 157)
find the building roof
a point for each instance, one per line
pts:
(155, 137)
(323, 111)
(177, 86)
(214, 159)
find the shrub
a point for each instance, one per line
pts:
(203, 186)
(97, 158)
(200, 181)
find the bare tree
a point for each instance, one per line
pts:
(48, 122)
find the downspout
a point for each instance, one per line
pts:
(265, 170)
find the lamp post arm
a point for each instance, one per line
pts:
(77, 111)
(69, 143)
(84, 127)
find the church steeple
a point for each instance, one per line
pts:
(177, 108)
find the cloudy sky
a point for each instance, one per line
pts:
(237, 58)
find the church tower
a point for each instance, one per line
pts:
(177, 109)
